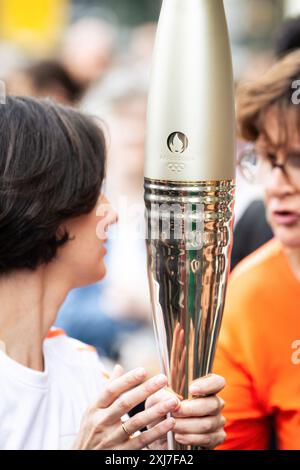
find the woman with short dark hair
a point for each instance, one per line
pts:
(53, 227)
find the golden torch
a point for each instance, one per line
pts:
(189, 186)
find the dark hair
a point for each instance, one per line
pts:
(52, 166)
(288, 37)
(48, 73)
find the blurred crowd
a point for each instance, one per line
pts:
(94, 71)
(91, 71)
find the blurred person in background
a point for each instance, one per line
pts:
(45, 79)
(252, 229)
(11, 57)
(120, 307)
(125, 105)
(251, 232)
(288, 37)
(87, 50)
(259, 346)
(141, 44)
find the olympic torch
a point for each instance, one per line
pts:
(189, 186)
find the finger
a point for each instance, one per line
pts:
(142, 420)
(209, 385)
(200, 407)
(134, 397)
(148, 437)
(162, 395)
(117, 372)
(207, 441)
(207, 425)
(120, 385)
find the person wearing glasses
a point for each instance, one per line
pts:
(252, 224)
(259, 348)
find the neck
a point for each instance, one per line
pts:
(293, 255)
(29, 305)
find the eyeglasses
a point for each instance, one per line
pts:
(256, 166)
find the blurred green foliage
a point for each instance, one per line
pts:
(127, 12)
(133, 12)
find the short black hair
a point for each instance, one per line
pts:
(288, 37)
(52, 166)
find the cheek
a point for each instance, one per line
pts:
(266, 199)
(268, 214)
(89, 253)
(267, 211)
(91, 266)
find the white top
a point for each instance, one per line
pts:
(43, 410)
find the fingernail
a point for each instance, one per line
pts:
(172, 402)
(140, 373)
(160, 379)
(195, 389)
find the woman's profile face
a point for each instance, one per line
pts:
(282, 192)
(83, 256)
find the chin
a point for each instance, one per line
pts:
(289, 237)
(93, 276)
(102, 275)
(102, 271)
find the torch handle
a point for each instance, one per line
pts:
(188, 244)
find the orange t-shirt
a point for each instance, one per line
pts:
(259, 353)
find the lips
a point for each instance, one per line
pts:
(285, 217)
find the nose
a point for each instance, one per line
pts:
(278, 184)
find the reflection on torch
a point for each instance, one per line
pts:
(189, 186)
